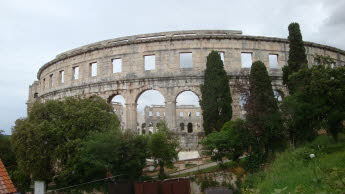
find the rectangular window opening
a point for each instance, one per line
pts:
(273, 61)
(117, 65)
(93, 69)
(198, 114)
(181, 114)
(157, 114)
(150, 113)
(51, 81)
(62, 76)
(44, 83)
(150, 62)
(246, 60)
(221, 53)
(186, 60)
(76, 73)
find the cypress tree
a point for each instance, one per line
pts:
(297, 55)
(263, 115)
(216, 98)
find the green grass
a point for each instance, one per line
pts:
(295, 172)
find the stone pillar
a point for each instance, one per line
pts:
(131, 116)
(170, 114)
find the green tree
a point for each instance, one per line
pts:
(110, 153)
(317, 102)
(216, 98)
(163, 147)
(6, 154)
(47, 140)
(297, 55)
(262, 112)
(230, 142)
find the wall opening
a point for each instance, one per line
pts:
(44, 83)
(93, 67)
(278, 95)
(221, 53)
(188, 108)
(75, 72)
(117, 65)
(190, 127)
(62, 77)
(186, 60)
(118, 103)
(182, 126)
(51, 81)
(150, 62)
(273, 61)
(246, 60)
(150, 108)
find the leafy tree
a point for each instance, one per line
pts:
(230, 142)
(318, 102)
(6, 154)
(47, 140)
(216, 98)
(263, 116)
(110, 153)
(20, 180)
(297, 55)
(163, 147)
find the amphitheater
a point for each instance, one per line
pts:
(169, 62)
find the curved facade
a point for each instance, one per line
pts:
(174, 63)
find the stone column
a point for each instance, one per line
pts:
(170, 114)
(131, 116)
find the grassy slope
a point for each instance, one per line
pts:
(295, 171)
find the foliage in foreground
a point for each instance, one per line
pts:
(6, 154)
(318, 102)
(297, 55)
(111, 153)
(216, 98)
(263, 116)
(163, 147)
(230, 142)
(46, 142)
(295, 171)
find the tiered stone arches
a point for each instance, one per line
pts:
(170, 77)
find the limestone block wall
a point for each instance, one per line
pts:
(167, 77)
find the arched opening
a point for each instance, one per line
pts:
(150, 109)
(190, 127)
(188, 110)
(279, 95)
(182, 126)
(118, 103)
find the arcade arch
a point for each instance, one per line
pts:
(150, 109)
(188, 111)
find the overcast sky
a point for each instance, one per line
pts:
(34, 32)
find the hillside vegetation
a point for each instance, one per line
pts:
(297, 171)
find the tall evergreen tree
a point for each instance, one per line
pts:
(297, 55)
(263, 115)
(216, 98)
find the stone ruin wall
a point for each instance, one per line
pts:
(168, 77)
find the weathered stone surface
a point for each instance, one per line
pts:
(167, 77)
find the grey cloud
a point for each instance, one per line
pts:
(34, 32)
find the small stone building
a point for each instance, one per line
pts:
(188, 118)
